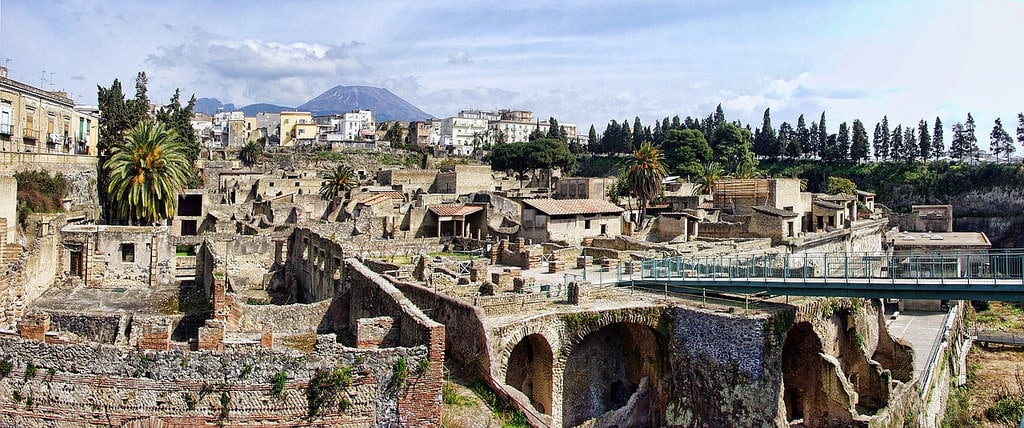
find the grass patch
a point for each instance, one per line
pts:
(451, 397)
(1008, 409)
(501, 409)
(301, 342)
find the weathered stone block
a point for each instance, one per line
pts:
(34, 325)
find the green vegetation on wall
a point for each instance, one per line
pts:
(39, 192)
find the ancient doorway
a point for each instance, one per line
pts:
(529, 371)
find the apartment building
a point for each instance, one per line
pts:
(297, 127)
(38, 121)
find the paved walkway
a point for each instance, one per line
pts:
(921, 329)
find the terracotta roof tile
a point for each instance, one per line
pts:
(829, 205)
(573, 206)
(454, 209)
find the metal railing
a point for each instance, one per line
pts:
(1000, 265)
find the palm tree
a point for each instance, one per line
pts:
(646, 170)
(250, 153)
(340, 180)
(146, 173)
(712, 173)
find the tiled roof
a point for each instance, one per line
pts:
(827, 204)
(393, 194)
(454, 209)
(775, 211)
(863, 193)
(573, 206)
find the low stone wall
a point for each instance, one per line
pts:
(102, 385)
(296, 318)
(108, 328)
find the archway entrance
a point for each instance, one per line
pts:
(608, 367)
(529, 371)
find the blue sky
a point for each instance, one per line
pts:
(582, 62)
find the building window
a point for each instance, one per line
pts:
(128, 253)
(586, 224)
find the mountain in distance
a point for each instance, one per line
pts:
(210, 106)
(384, 104)
(251, 109)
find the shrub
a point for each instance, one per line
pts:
(277, 384)
(1008, 408)
(38, 192)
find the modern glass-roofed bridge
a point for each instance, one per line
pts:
(988, 275)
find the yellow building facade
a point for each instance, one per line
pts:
(291, 123)
(36, 121)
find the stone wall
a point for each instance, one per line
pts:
(102, 385)
(297, 318)
(315, 264)
(373, 296)
(109, 328)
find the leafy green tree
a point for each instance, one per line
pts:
(548, 153)
(711, 174)
(147, 172)
(1000, 141)
(686, 150)
(924, 139)
(250, 153)
(536, 134)
(646, 170)
(859, 145)
(837, 185)
(765, 141)
(970, 135)
(732, 146)
(339, 181)
(938, 146)
(511, 157)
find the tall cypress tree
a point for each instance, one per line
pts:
(1020, 129)
(938, 146)
(1000, 141)
(784, 139)
(859, 145)
(627, 138)
(593, 144)
(910, 149)
(924, 140)
(822, 135)
(959, 146)
(896, 144)
(765, 143)
(813, 140)
(803, 136)
(881, 141)
(970, 136)
(638, 132)
(842, 148)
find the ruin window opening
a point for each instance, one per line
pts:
(586, 224)
(190, 205)
(128, 252)
(189, 228)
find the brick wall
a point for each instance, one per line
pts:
(373, 296)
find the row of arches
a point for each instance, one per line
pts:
(600, 374)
